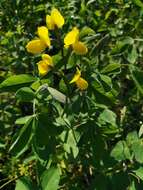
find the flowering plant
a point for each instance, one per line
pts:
(71, 95)
(55, 21)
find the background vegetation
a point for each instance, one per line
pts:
(97, 141)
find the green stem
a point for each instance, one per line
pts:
(61, 45)
(10, 181)
(38, 179)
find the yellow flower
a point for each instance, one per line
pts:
(44, 35)
(55, 20)
(39, 45)
(45, 65)
(80, 48)
(81, 83)
(72, 38)
(35, 46)
(23, 170)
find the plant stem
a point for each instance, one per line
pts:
(10, 181)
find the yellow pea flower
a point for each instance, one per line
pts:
(45, 65)
(81, 83)
(72, 38)
(80, 48)
(44, 35)
(50, 23)
(35, 46)
(55, 20)
(39, 45)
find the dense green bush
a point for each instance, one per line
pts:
(54, 135)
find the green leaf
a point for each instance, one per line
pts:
(109, 130)
(132, 137)
(99, 182)
(121, 151)
(86, 31)
(98, 147)
(102, 82)
(102, 98)
(107, 116)
(43, 152)
(139, 172)
(121, 45)
(25, 94)
(132, 55)
(137, 77)
(111, 68)
(58, 95)
(16, 81)
(24, 183)
(23, 120)
(138, 3)
(70, 140)
(20, 144)
(44, 138)
(63, 86)
(137, 148)
(106, 82)
(109, 13)
(119, 180)
(39, 8)
(50, 179)
(132, 186)
(102, 86)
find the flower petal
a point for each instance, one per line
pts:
(49, 22)
(76, 76)
(44, 35)
(57, 18)
(80, 48)
(71, 37)
(35, 46)
(48, 59)
(43, 68)
(82, 84)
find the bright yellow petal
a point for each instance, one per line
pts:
(71, 37)
(76, 76)
(43, 68)
(82, 84)
(80, 48)
(48, 59)
(44, 35)
(35, 46)
(49, 22)
(57, 18)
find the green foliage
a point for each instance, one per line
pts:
(23, 183)
(54, 135)
(21, 142)
(50, 179)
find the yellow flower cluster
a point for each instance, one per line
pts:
(40, 43)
